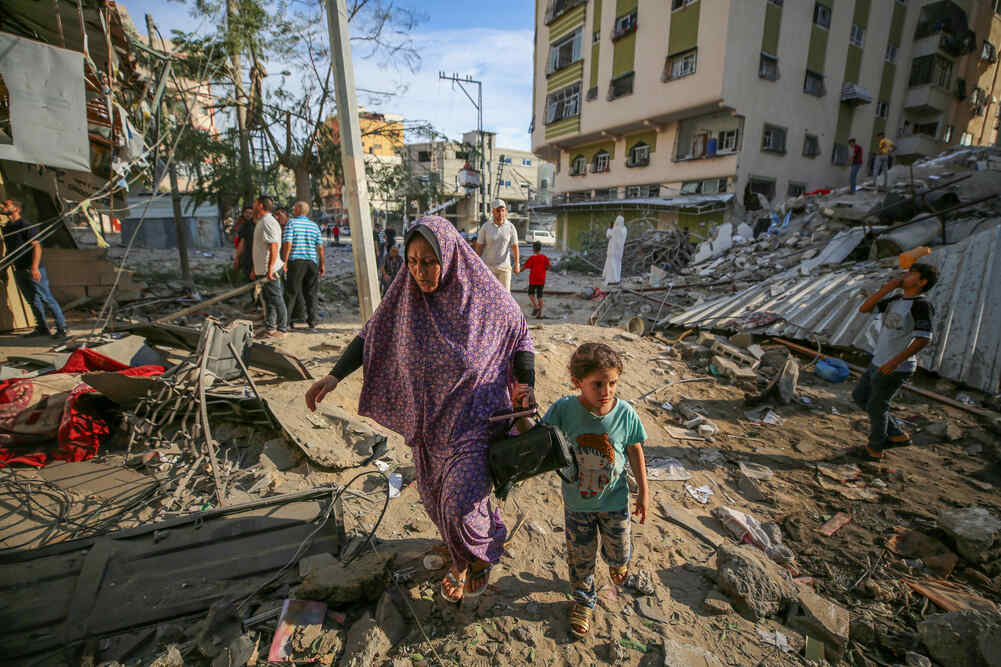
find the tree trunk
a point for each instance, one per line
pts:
(181, 229)
(303, 186)
(246, 186)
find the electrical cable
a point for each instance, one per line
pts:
(334, 497)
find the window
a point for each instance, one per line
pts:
(691, 187)
(927, 129)
(947, 133)
(891, 53)
(526, 163)
(558, 8)
(858, 35)
(768, 67)
(932, 69)
(564, 52)
(633, 192)
(620, 86)
(681, 64)
(966, 139)
(710, 186)
(814, 84)
(423, 156)
(763, 186)
(882, 109)
(773, 140)
(678, 4)
(841, 154)
(578, 166)
(777, 2)
(624, 25)
(639, 155)
(563, 103)
(601, 162)
(461, 155)
(721, 187)
(727, 141)
(606, 194)
(822, 16)
(795, 189)
(596, 37)
(811, 145)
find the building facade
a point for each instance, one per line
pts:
(518, 177)
(692, 101)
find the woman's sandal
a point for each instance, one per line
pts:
(580, 619)
(477, 578)
(619, 575)
(455, 584)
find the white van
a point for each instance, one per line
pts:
(543, 236)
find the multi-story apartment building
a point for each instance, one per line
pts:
(516, 176)
(669, 109)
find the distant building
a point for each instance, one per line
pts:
(516, 176)
(382, 136)
(665, 110)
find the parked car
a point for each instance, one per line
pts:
(543, 236)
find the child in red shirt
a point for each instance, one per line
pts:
(538, 265)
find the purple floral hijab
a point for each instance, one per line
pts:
(438, 364)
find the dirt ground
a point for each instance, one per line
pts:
(522, 619)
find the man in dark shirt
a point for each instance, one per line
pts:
(29, 273)
(244, 260)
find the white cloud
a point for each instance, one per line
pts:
(501, 59)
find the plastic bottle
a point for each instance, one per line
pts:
(907, 259)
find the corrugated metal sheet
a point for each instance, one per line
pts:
(967, 301)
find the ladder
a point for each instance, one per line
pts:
(500, 173)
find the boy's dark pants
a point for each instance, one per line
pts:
(873, 394)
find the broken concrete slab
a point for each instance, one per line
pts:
(825, 620)
(363, 579)
(309, 564)
(132, 351)
(124, 390)
(366, 642)
(974, 529)
(945, 430)
(963, 638)
(728, 368)
(389, 618)
(732, 351)
(102, 480)
(756, 582)
(677, 654)
(330, 437)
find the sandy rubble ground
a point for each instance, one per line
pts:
(523, 617)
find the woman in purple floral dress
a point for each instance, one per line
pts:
(447, 348)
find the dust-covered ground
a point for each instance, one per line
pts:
(522, 618)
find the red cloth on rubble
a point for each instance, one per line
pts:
(78, 433)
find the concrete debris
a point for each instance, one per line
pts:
(390, 619)
(677, 654)
(309, 564)
(717, 603)
(758, 584)
(824, 620)
(666, 249)
(963, 638)
(974, 529)
(366, 644)
(171, 658)
(364, 579)
(946, 430)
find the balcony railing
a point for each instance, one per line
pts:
(558, 8)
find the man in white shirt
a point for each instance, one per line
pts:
(268, 264)
(497, 242)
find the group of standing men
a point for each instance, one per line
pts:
(288, 254)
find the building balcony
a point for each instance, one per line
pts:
(927, 99)
(917, 145)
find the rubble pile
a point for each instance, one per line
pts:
(666, 249)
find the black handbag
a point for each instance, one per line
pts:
(543, 448)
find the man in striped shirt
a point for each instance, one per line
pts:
(302, 250)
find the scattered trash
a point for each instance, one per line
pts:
(667, 405)
(667, 470)
(433, 562)
(832, 370)
(965, 399)
(701, 494)
(765, 416)
(749, 530)
(395, 485)
(834, 524)
(756, 470)
(774, 638)
(295, 614)
(641, 582)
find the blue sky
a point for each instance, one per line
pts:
(492, 43)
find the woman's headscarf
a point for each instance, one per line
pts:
(437, 364)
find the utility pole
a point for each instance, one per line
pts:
(175, 196)
(353, 159)
(478, 103)
(247, 188)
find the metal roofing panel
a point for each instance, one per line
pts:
(967, 340)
